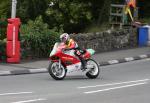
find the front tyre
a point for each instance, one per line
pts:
(94, 71)
(56, 72)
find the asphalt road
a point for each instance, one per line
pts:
(121, 83)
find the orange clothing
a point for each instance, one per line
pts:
(71, 44)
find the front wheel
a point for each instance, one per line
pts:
(56, 72)
(94, 70)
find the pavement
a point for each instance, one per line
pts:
(106, 58)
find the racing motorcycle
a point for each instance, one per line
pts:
(65, 63)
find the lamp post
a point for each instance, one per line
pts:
(13, 10)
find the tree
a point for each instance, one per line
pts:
(71, 15)
(30, 9)
(5, 6)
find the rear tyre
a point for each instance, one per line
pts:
(94, 71)
(56, 72)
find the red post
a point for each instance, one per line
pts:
(13, 43)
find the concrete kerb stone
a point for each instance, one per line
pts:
(127, 59)
(20, 72)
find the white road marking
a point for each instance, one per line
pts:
(102, 90)
(4, 94)
(28, 101)
(113, 84)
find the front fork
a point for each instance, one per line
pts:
(59, 64)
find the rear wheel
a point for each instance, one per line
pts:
(56, 72)
(94, 71)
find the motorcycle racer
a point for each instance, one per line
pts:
(71, 44)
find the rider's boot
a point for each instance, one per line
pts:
(84, 65)
(83, 62)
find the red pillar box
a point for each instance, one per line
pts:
(13, 43)
(13, 49)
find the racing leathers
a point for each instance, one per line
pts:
(71, 44)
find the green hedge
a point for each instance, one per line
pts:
(3, 50)
(37, 46)
(37, 39)
(3, 27)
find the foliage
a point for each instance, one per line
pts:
(72, 15)
(30, 9)
(2, 49)
(69, 15)
(37, 39)
(4, 8)
(3, 25)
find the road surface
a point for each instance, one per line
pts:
(120, 83)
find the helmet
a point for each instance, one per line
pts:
(64, 37)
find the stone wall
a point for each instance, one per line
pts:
(109, 40)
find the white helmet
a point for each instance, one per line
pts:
(64, 37)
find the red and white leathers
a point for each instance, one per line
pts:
(71, 44)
